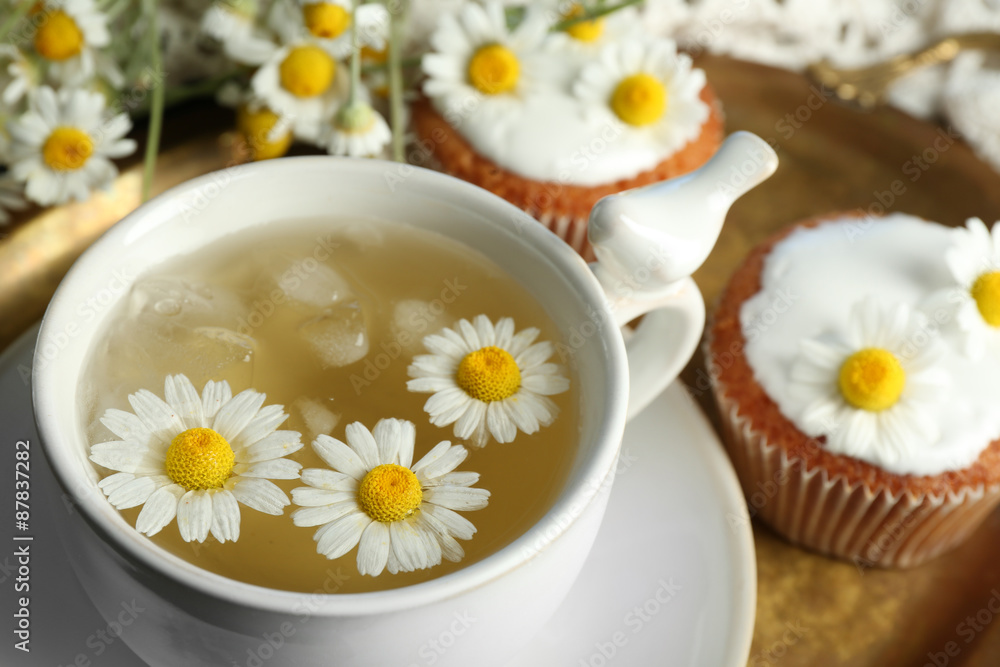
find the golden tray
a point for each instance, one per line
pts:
(811, 610)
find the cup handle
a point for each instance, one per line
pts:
(663, 342)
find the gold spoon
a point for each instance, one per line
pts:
(867, 86)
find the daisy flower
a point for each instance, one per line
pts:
(61, 146)
(330, 20)
(476, 58)
(402, 517)
(229, 19)
(263, 134)
(70, 36)
(197, 458)
(298, 75)
(647, 86)
(589, 36)
(10, 198)
(18, 76)
(487, 380)
(357, 131)
(974, 261)
(867, 387)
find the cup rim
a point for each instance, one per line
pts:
(124, 539)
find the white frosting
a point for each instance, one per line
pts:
(550, 137)
(809, 282)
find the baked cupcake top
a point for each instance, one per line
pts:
(882, 335)
(592, 104)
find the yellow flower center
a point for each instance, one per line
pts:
(986, 292)
(58, 37)
(67, 149)
(489, 374)
(390, 493)
(368, 54)
(584, 31)
(639, 99)
(326, 20)
(494, 69)
(256, 127)
(307, 71)
(872, 379)
(199, 458)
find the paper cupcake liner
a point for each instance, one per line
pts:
(867, 526)
(570, 229)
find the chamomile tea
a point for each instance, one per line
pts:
(331, 321)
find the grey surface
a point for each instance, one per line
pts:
(65, 627)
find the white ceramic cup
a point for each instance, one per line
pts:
(481, 614)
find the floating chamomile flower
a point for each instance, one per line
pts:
(974, 261)
(61, 146)
(477, 60)
(487, 380)
(867, 386)
(10, 198)
(70, 36)
(403, 517)
(196, 458)
(649, 87)
(331, 20)
(357, 131)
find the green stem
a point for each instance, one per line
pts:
(593, 14)
(156, 110)
(405, 63)
(396, 82)
(355, 57)
(19, 13)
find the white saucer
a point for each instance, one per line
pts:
(671, 579)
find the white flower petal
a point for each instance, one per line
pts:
(194, 515)
(457, 498)
(225, 517)
(274, 446)
(373, 550)
(339, 456)
(329, 479)
(340, 536)
(323, 514)
(159, 510)
(274, 469)
(261, 495)
(237, 413)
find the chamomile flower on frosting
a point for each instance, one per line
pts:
(402, 517)
(61, 146)
(868, 385)
(487, 380)
(69, 36)
(475, 57)
(587, 36)
(974, 261)
(197, 458)
(647, 86)
(357, 131)
(331, 20)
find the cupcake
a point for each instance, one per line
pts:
(856, 365)
(553, 120)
